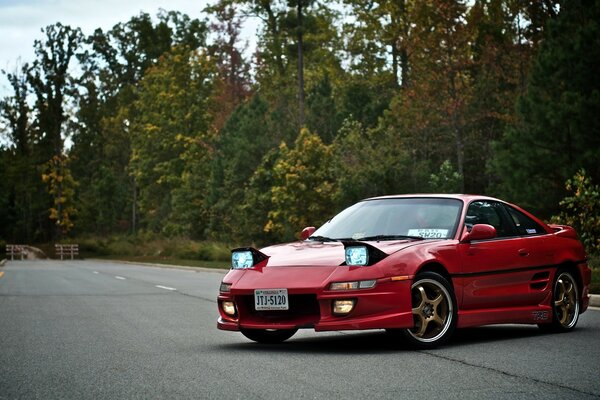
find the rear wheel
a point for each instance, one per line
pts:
(565, 303)
(268, 336)
(434, 311)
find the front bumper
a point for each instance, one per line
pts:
(387, 305)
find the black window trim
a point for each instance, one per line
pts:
(506, 210)
(503, 214)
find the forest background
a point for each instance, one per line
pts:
(165, 132)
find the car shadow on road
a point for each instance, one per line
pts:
(372, 342)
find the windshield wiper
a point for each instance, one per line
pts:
(378, 238)
(322, 239)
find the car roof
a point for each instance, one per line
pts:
(463, 197)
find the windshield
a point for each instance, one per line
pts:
(388, 219)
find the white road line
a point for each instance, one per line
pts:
(96, 272)
(120, 277)
(165, 287)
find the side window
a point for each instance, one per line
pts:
(525, 225)
(490, 213)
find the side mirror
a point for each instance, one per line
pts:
(480, 232)
(306, 232)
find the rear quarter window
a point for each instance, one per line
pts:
(525, 225)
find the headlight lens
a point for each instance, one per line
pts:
(357, 255)
(242, 259)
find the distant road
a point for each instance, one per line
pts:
(105, 330)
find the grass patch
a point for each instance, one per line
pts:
(594, 264)
(148, 248)
(595, 285)
(152, 248)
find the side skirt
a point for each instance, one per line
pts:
(517, 315)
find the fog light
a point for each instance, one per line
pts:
(228, 308)
(343, 307)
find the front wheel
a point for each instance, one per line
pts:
(565, 303)
(268, 336)
(434, 311)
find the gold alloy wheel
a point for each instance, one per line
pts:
(566, 302)
(432, 310)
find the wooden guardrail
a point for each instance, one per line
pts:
(17, 250)
(69, 250)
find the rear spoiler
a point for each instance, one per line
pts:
(564, 231)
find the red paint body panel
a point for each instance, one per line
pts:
(501, 280)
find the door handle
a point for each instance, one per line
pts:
(523, 252)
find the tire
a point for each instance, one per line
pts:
(268, 336)
(434, 311)
(565, 303)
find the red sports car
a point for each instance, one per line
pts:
(419, 265)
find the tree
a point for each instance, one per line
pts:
(380, 36)
(49, 79)
(249, 133)
(557, 131)
(233, 84)
(446, 180)
(581, 210)
(172, 119)
(23, 197)
(61, 187)
(15, 110)
(303, 186)
(113, 63)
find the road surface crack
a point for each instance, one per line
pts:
(499, 371)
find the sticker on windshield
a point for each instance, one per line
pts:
(429, 233)
(358, 235)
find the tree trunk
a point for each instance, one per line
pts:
(300, 68)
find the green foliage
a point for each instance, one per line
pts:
(302, 187)
(150, 245)
(558, 130)
(178, 136)
(446, 180)
(368, 163)
(581, 210)
(250, 132)
(61, 186)
(170, 139)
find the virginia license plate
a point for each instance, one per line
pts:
(271, 299)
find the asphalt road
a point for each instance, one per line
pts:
(98, 330)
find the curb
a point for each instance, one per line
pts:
(595, 300)
(167, 266)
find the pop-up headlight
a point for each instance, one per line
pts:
(360, 254)
(357, 255)
(242, 259)
(246, 257)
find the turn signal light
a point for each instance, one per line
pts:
(352, 285)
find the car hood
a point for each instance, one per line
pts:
(318, 254)
(301, 265)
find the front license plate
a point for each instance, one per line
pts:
(271, 299)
